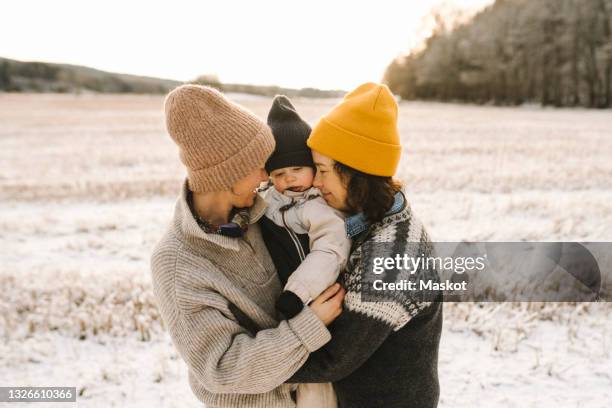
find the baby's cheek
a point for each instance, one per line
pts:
(279, 185)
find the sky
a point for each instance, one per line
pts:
(325, 44)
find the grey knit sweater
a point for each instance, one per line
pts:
(216, 297)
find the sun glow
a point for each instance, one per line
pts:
(329, 45)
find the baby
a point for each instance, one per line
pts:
(305, 237)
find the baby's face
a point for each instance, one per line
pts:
(292, 178)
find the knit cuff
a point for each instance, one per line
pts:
(310, 329)
(289, 304)
(299, 289)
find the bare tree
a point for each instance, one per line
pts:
(554, 52)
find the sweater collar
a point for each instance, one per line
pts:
(190, 228)
(356, 224)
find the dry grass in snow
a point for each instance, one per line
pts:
(88, 183)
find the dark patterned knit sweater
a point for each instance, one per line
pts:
(382, 354)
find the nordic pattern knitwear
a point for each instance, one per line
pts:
(383, 354)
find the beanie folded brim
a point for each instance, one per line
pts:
(223, 175)
(361, 153)
(289, 159)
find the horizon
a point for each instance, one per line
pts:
(278, 44)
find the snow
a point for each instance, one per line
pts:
(88, 184)
(525, 355)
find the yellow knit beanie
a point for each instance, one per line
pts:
(361, 132)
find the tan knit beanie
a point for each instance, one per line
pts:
(220, 142)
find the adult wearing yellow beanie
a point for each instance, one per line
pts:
(384, 346)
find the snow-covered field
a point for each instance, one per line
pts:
(87, 185)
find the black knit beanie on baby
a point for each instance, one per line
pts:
(290, 133)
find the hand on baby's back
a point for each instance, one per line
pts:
(328, 305)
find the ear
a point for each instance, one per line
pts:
(231, 192)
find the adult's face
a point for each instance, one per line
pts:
(329, 182)
(243, 191)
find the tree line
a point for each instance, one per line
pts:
(19, 76)
(552, 52)
(266, 90)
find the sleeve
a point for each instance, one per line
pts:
(226, 358)
(329, 250)
(355, 337)
(356, 334)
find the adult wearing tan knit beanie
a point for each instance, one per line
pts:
(215, 284)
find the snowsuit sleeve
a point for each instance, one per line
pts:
(329, 250)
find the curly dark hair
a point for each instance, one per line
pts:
(366, 193)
